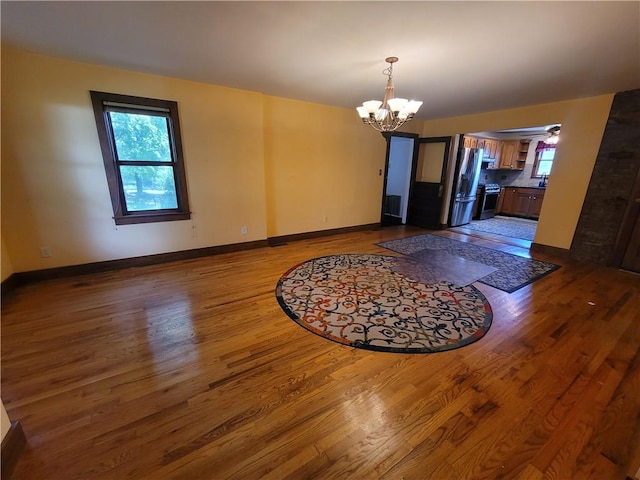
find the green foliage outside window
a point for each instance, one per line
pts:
(142, 138)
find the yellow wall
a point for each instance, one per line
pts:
(275, 165)
(583, 122)
(321, 165)
(5, 263)
(322, 168)
(5, 423)
(54, 191)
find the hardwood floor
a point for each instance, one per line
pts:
(191, 370)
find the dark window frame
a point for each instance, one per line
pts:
(101, 102)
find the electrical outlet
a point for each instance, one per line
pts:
(45, 252)
(325, 219)
(244, 230)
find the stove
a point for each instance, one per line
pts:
(489, 194)
(492, 188)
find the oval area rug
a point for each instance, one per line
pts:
(363, 301)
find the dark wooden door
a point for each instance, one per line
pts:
(626, 253)
(428, 174)
(631, 259)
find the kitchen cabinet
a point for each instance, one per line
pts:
(523, 150)
(536, 204)
(490, 147)
(511, 154)
(470, 142)
(522, 201)
(500, 154)
(499, 206)
(508, 155)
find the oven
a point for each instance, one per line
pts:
(489, 194)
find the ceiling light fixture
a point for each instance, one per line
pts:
(554, 135)
(390, 113)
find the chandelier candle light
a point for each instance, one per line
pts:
(390, 113)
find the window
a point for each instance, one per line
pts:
(544, 160)
(142, 153)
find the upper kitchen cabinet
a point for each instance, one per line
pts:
(523, 151)
(470, 142)
(490, 148)
(513, 154)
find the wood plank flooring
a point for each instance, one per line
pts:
(191, 370)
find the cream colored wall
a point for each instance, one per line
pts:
(583, 122)
(322, 168)
(54, 191)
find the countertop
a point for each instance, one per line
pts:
(522, 186)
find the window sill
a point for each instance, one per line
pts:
(146, 217)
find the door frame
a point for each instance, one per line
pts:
(626, 226)
(387, 136)
(448, 141)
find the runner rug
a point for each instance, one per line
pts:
(507, 226)
(376, 302)
(512, 272)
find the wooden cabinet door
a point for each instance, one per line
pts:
(500, 206)
(470, 142)
(496, 146)
(536, 205)
(509, 200)
(508, 154)
(490, 148)
(521, 203)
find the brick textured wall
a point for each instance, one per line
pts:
(611, 182)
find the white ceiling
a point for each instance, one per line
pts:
(457, 57)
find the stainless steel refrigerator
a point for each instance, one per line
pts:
(465, 186)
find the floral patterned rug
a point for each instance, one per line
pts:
(365, 302)
(512, 272)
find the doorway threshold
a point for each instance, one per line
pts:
(516, 242)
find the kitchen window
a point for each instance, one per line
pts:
(142, 153)
(544, 160)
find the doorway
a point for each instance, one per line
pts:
(398, 180)
(415, 175)
(515, 167)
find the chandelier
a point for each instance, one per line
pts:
(390, 113)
